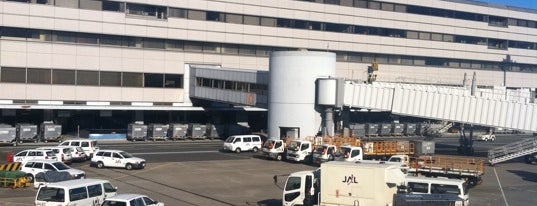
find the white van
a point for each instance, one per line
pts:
(79, 192)
(63, 153)
(240, 143)
(90, 147)
(427, 185)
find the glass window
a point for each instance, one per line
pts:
(116, 155)
(445, 189)
(454, 64)
(193, 46)
(215, 16)
(131, 79)
(400, 8)
(265, 21)
(113, 6)
(247, 139)
(211, 47)
(230, 49)
(37, 165)
(247, 50)
(91, 4)
(374, 5)
(234, 18)
(60, 76)
(78, 194)
(465, 64)
(407, 60)
(173, 80)
(49, 167)
(394, 60)
(68, 37)
(418, 187)
(412, 34)
(149, 201)
(263, 51)
(13, 75)
(87, 38)
(387, 7)
(95, 190)
(345, 2)
(175, 12)
(360, 3)
(336, 2)
(154, 43)
(40, 35)
(251, 20)
(381, 59)
(109, 79)
(419, 61)
(14, 33)
(51, 194)
(66, 3)
(512, 22)
(107, 154)
(174, 45)
(436, 37)
(153, 80)
(447, 38)
(293, 183)
(39, 76)
(197, 15)
(111, 40)
(22, 154)
(425, 35)
(109, 188)
(523, 23)
(87, 78)
(434, 61)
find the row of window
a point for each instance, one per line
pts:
(423, 10)
(246, 50)
(89, 78)
(163, 12)
(232, 85)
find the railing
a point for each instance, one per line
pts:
(513, 148)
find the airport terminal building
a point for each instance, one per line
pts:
(99, 64)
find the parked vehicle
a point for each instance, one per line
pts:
(324, 153)
(526, 148)
(299, 151)
(130, 200)
(63, 153)
(274, 149)
(44, 178)
(84, 192)
(424, 185)
(349, 154)
(487, 137)
(36, 166)
(90, 147)
(116, 158)
(78, 154)
(239, 143)
(34, 154)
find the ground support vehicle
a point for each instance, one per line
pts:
(10, 176)
(131, 200)
(468, 169)
(32, 168)
(116, 158)
(274, 149)
(438, 186)
(44, 178)
(84, 192)
(90, 147)
(324, 153)
(526, 148)
(239, 143)
(299, 151)
(34, 154)
(487, 137)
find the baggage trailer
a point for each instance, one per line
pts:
(137, 132)
(157, 131)
(177, 131)
(469, 169)
(197, 131)
(8, 134)
(26, 132)
(49, 131)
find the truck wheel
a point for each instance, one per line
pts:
(238, 150)
(255, 150)
(128, 166)
(100, 165)
(279, 157)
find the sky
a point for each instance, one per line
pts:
(530, 4)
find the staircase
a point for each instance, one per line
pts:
(513, 150)
(446, 127)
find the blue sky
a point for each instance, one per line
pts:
(531, 4)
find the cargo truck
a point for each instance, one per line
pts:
(299, 151)
(274, 149)
(324, 153)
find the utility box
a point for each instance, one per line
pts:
(397, 129)
(157, 131)
(422, 147)
(410, 129)
(385, 129)
(177, 131)
(197, 131)
(8, 134)
(26, 132)
(49, 131)
(137, 132)
(371, 129)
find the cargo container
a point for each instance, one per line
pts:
(26, 132)
(177, 131)
(423, 147)
(385, 129)
(157, 131)
(49, 131)
(136, 132)
(8, 134)
(410, 129)
(197, 131)
(398, 129)
(371, 130)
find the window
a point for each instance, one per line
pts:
(263, 51)
(497, 44)
(436, 37)
(175, 12)
(87, 38)
(153, 80)
(146, 10)
(49, 167)
(434, 61)
(38, 76)
(193, 46)
(265, 21)
(109, 79)
(51, 194)
(95, 190)
(360, 3)
(86, 78)
(113, 6)
(418, 187)
(345, 2)
(75, 144)
(66, 3)
(154, 43)
(215, 16)
(130, 79)
(149, 201)
(13, 75)
(374, 5)
(107, 154)
(355, 153)
(400, 8)
(78, 194)
(247, 50)
(444, 189)
(230, 49)
(37, 165)
(256, 139)
(293, 183)
(40, 35)
(85, 144)
(109, 188)
(234, 18)
(63, 77)
(387, 7)
(116, 155)
(111, 40)
(21, 154)
(91, 4)
(173, 81)
(425, 36)
(412, 34)
(14, 33)
(211, 47)
(247, 139)
(197, 15)
(67, 37)
(251, 20)
(447, 38)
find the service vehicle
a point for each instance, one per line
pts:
(299, 151)
(274, 149)
(116, 158)
(63, 153)
(34, 154)
(349, 154)
(424, 185)
(31, 168)
(77, 154)
(90, 147)
(82, 192)
(239, 143)
(44, 178)
(324, 153)
(131, 200)
(487, 137)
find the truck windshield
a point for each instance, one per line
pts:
(294, 145)
(269, 143)
(230, 139)
(445, 189)
(293, 183)
(51, 194)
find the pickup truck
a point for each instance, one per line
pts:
(487, 137)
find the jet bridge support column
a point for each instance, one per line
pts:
(466, 143)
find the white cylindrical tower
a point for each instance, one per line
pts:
(292, 75)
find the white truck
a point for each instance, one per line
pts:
(349, 154)
(344, 183)
(299, 151)
(324, 153)
(274, 149)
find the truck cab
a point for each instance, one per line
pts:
(427, 185)
(301, 185)
(324, 153)
(274, 149)
(299, 150)
(349, 154)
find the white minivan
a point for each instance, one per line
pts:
(90, 147)
(428, 185)
(79, 192)
(239, 143)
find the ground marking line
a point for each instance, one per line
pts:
(501, 189)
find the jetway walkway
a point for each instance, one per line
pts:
(453, 104)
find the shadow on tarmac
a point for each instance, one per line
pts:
(527, 176)
(270, 202)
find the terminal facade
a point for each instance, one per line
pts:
(92, 64)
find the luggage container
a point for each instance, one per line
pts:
(26, 132)
(385, 129)
(137, 132)
(423, 147)
(212, 132)
(357, 130)
(197, 131)
(157, 132)
(177, 131)
(410, 129)
(48, 131)
(397, 129)
(8, 134)
(371, 129)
